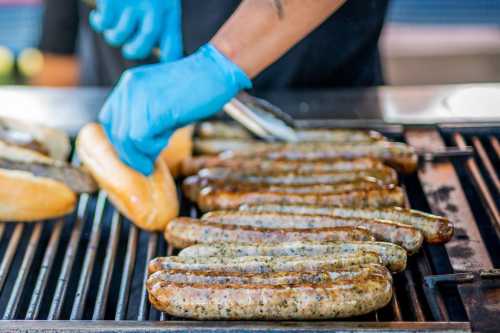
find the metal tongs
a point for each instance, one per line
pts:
(262, 118)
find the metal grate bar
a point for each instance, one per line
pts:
(22, 273)
(424, 268)
(235, 326)
(480, 183)
(143, 305)
(410, 288)
(396, 311)
(121, 307)
(109, 261)
(62, 281)
(478, 146)
(9, 253)
(45, 268)
(89, 260)
(496, 145)
(2, 230)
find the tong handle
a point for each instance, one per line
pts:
(448, 152)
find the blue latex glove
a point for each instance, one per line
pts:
(151, 102)
(140, 25)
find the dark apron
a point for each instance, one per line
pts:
(342, 52)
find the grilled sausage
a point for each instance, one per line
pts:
(224, 130)
(213, 199)
(315, 295)
(399, 155)
(338, 135)
(407, 237)
(192, 186)
(264, 264)
(221, 129)
(436, 229)
(182, 232)
(391, 255)
(217, 146)
(191, 166)
(384, 174)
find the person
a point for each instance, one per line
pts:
(210, 50)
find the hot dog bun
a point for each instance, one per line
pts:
(25, 197)
(149, 202)
(54, 143)
(180, 147)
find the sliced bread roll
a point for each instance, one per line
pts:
(149, 202)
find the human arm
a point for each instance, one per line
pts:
(260, 31)
(150, 102)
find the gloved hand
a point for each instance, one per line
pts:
(151, 102)
(140, 25)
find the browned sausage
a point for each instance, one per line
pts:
(436, 229)
(407, 237)
(273, 296)
(191, 166)
(213, 199)
(182, 232)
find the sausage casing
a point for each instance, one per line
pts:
(393, 256)
(182, 232)
(225, 130)
(407, 237)
(399, 155)
(384, 174)
(193, 185)
(312, 295)
(264, 264)
(436, 229)
(215, 199)
(192, 165)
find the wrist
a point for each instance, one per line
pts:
(234, 75)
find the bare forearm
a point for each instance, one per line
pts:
(260, 31)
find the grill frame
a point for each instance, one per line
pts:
(149, 319)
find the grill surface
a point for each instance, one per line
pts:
(91, 265)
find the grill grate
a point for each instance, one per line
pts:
(92, 265)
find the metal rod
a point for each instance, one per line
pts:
(480, 183)
(234, 326)
(496, 145)
(486, 162)
(89, 260)
(143, 305)
(2, 230)
(121, 307)
(410, 287)
(107, 271)
(45, 268)
(456, 278)
(22, 273)
(448, 152)
(437, 306)
(9, 253)
(69, 259)
(396, 311)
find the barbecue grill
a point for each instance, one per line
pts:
(86, 272)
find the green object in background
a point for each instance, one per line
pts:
(30, 62)
(7, 63)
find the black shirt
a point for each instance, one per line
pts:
(342, 52)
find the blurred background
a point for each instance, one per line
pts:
(424, 42)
